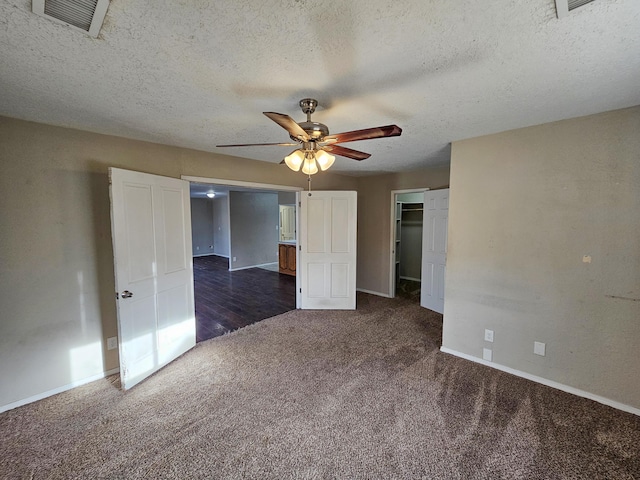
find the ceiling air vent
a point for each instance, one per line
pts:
(563, 7)
(86, 15)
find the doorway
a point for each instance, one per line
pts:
(236, 277)
(406, 238)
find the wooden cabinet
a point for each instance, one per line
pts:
(287, 258)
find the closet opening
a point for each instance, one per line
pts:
(407, 228)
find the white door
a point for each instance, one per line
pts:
(151, 230)
(434, 248)
(327, 247)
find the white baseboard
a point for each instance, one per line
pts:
(64, 388)
(385, 295)
(545, 381)
(253, 266)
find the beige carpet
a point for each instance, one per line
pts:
(309, 395)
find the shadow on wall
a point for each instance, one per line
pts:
(86, 244)
(103, 255)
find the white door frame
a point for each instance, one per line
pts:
(239, 183)
(392, 237)
(251, 185)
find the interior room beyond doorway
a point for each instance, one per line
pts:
(236, 232)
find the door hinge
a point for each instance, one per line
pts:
(300, 247)
(300, 290)
(299, 204)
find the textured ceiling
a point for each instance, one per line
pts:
(197, 73)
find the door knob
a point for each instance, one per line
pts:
(127, 294)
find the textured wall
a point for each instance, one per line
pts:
(526, 207)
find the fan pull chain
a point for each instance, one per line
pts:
(309, 180)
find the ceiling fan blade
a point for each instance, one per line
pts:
(346, 152)
(260, 145)
(366, 134)
(289, 124)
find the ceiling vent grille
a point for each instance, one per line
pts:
(563, 7)
(86, 15)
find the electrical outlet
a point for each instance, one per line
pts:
(234, 259)
(487, 354)
(112, 343)
(539, 348)
(197, 247)
(488, 335)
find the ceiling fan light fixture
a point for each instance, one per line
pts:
(310, 167)
(294, 161)
(324, 160)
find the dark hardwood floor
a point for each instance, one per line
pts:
(226, 301)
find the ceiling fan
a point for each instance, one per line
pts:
(314, 143)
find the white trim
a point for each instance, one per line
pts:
(371, 292)
(55, 391)
(410, 278)
(252, 266)
(238, 183)
(547, 382)
(98, 17)
(298, 268)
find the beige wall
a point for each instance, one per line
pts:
(374, 221)
(57, 285)
(526, 206)
(253, 223)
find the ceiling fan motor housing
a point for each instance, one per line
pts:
(315, 130)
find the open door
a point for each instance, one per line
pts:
(434, 249)
(151, 230)
(327, 247)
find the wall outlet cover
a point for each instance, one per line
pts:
(112, 343)
(488, 335)
(539, 348)
(487, 354)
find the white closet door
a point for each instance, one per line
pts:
(434, 249)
